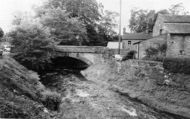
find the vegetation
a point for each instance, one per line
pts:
(177, 65)
(156, 53)
(130, 55)
(144, 20)
(1, 33)
(32, 44)
(51, 100)
(66, 22)
(77, 22)
(174, 65)
(22, 94)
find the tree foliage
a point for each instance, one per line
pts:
(66, 22)
(32, 44)
(62, 27)
(1, 33)
(144, 20)
(178, 9)
(74, 21)
(108, 23)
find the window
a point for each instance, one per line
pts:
(182, 52)
(129, 42)
(161, 31)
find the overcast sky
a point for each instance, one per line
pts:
(9, 7)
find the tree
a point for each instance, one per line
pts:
(32, 44)
(70, 20)
(143, 20)
(99, 23)
(62, 27)
(75, 22)
(178, 9)
(1, 33)
(107, 25)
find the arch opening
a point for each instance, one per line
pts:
(69, 63)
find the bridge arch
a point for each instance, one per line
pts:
(69, 62)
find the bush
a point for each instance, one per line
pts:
(150, 52)
(177, 65)
(130, 55)
(156, 52)
(51, 100)
(33, 45)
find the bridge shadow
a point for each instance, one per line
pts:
(69, 63)
(62, 66)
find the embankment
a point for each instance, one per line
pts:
(21, 93)
(148, 83)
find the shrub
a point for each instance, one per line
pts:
(156, 52)
(162, 48)
(130, 55)
(177, 65)
(51, 100)
(151, 51)
(33, 46)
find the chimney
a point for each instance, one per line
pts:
(147, 29)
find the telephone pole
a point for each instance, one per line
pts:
(120, 28)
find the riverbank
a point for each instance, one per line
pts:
(112, 90)
(101, 96)
(149, 84)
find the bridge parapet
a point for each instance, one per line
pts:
(82, 49)
(88, 54)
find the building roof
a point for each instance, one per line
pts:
(174, 18)
(136, 36)
(179, 24)
(182, 28)
(155, 37)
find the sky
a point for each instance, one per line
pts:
(9, 7)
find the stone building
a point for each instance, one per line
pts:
(174, 31)
(114, 45)
(128, 39)
(171, 23)
(153, 42)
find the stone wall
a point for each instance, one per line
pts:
(130, 47)
(178, 46)
(154, 42)
(158, 25)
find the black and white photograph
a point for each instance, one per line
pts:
(94, 59)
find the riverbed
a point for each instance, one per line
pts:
(86, 96)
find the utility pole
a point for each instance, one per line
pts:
(120, 28)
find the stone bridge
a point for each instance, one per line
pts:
(87, 54)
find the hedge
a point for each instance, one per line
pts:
(177, 65)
